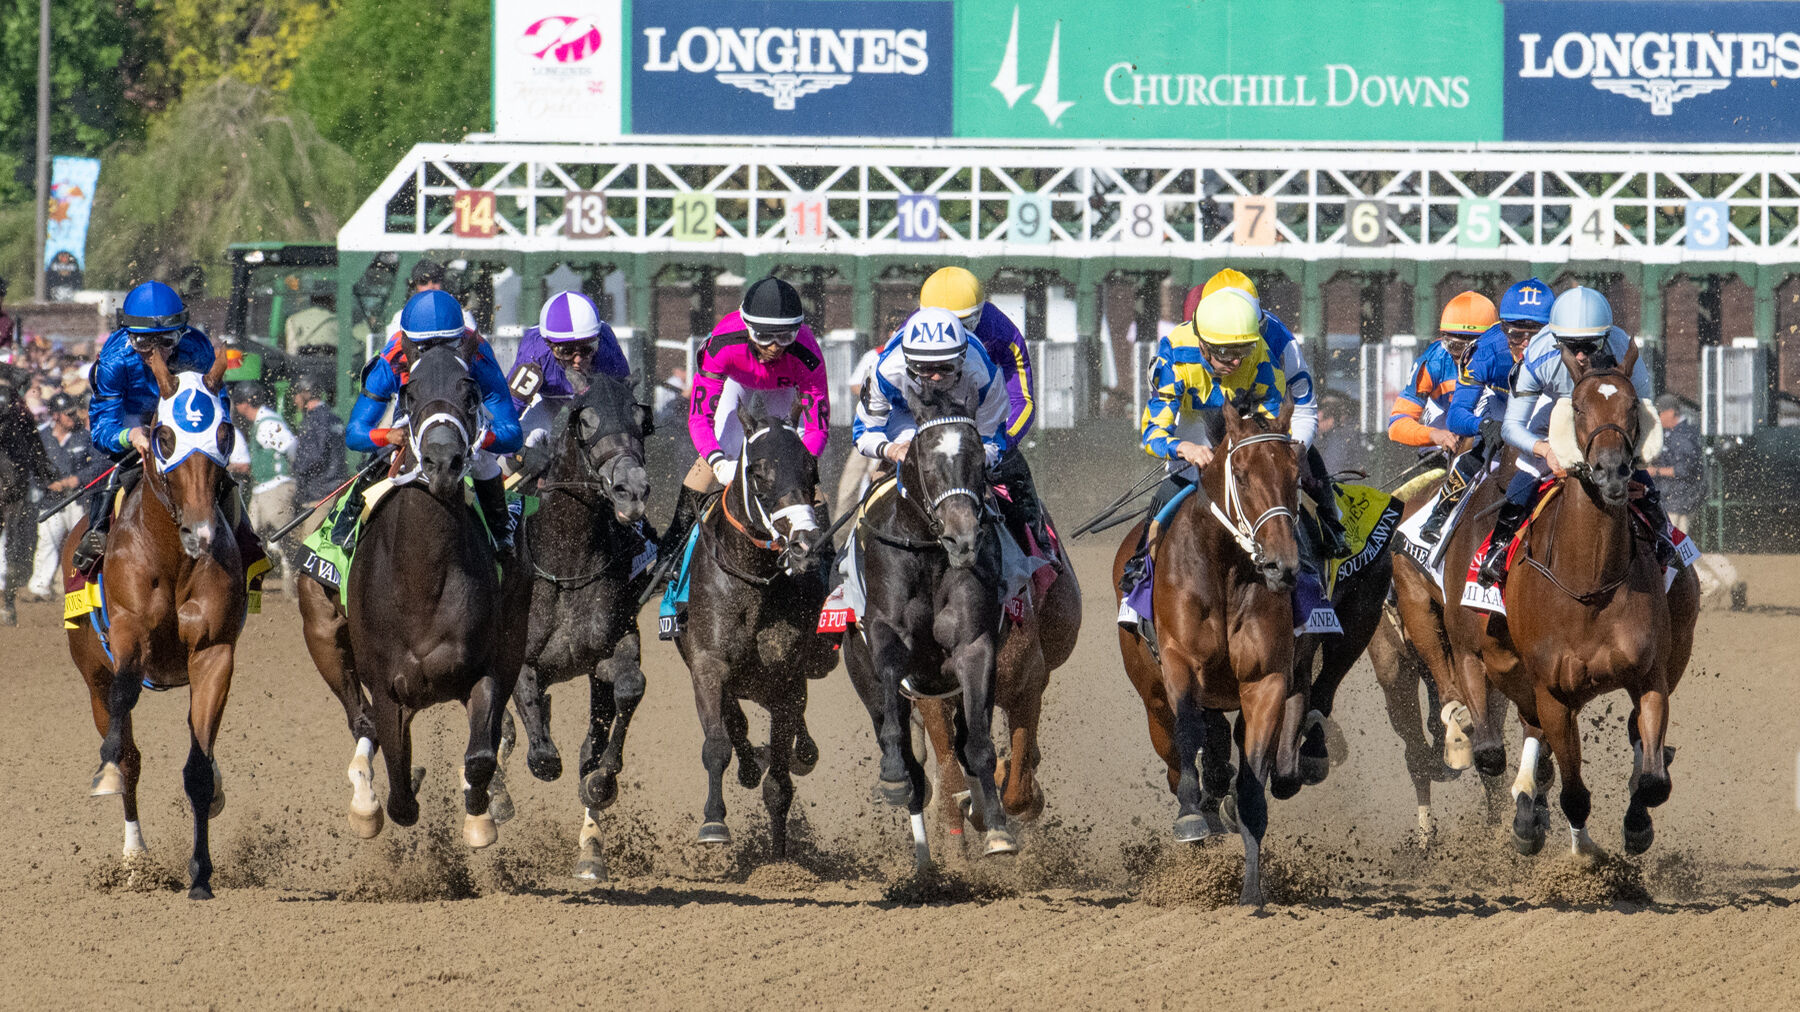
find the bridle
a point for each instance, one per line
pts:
(415, 433)
(1233, 517)
(757, 520)
(622, 448)
(926, 502)
(1631, 442)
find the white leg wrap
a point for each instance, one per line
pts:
(921, 848)
(1526, 781)
(590, 829)
(134, 839)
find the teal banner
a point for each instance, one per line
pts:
(72, 182)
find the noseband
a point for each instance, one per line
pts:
(930, 506)
(415, 434)
(1587, 445)
(1233, 517)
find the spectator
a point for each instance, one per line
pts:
(313, 330)
(271, 447)
(72, 455)
(1678, 468)
(319, 466)
(1337, 446)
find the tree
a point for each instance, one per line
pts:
(255, 41)
(96, 49)
(230, 163)
(383, 76)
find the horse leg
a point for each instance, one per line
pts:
(393, 731)
(1284, 780)
(715, 752)
(1483, 735)
(1399, 676)
(1495, 788)
(486, 705)
(1259, 721)
(533, 704)
(1650, 782)
(327, 635)
(1217, 773)
(1530, 818)
(122, 777)
(737, 725)
(977, 749)
(623, 685)
(209, 681)
(778, 785)
(1190, 740)
(953, 792)
(1022, 795)
(893, 720)
(590, 858)
(1563, 734)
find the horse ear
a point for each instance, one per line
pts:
(1234, 422)
(159, 370)
(471, 343)
(1286, 416)
(1631, 356)
(1575, 369)
(409, 349)
(796, 412)
(215, 376)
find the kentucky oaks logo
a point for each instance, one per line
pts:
(561, 39)
(787, 64)
(1660, 68)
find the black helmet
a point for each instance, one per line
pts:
(772, 304)
(252, 393)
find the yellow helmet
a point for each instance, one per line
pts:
(1468, 315)
(1226, 317)
(1229, 278)
(955, 289)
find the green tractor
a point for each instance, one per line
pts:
(282, 315)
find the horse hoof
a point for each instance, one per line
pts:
(590, 869)
(500, 803)
(418, 777)
(1191, 828)
(999, 841)
(965, 803)
(199, 891)
(714, 832)
(1459, 748)
(599, 790)
(1527, 832)
(750, 770)
(1034, 809)
(895, 792)
(107, 781)
(545, 766)
(480, 831)
(806, 755)
(1638, 840)
(1491, 762)
(1228, 812)
(366, 825)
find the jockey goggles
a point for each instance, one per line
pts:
(942, 367)
(569, 351)
(777, 336)
(142, 341)
(1222, 354)
(1581, 345)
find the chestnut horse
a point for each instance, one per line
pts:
(1224, 619)
(174, 602)
(1587, 613)
(423, 618)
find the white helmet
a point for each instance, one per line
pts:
(933, 335)
(1580, 314)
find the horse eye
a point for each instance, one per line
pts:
(165, 441)
(227, 438)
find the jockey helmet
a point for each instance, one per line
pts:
(933, 334)
(569, 316)
(152, 308)
(1467, 316)
(1228, 317)
(1230, 278)
(1580, 314)
(772, 311)
(432, 315)
(955, 289)
(1527, 300)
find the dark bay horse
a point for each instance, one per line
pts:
(755, 589)
(1224, 615)
(22, 460)
(424, 618)
(175, 601)
(931, 562)
(581, 545)
(1587, 612)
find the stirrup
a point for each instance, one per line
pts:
(1490, 571)
(88, 552)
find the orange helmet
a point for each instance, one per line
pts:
(1468, 315)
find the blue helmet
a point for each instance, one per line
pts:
(432, 315)
(1528, 300)
(1580, 314)
(152, 308)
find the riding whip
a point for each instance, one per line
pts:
(381, 459)
(1142, 485)
(50, 511)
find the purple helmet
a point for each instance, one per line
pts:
(569, 316)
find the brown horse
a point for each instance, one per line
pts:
(1587, 613)
(174, 603)
(1040, 643)
(1224, 619)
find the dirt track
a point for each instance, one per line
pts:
(306, 915)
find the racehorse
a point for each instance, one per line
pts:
(930, 556)
(22, 459)
(1224, 621)
(173, 603)
(1038, 642)
(1587, 612)
(581, 544)
(755, 589)
(424, 617)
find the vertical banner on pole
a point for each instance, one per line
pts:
(72, 182)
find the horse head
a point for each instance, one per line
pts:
(1258, 467)
(191, 445)
(945, 472)
(602, 441)
(1602, 431)
(776, 479)
(442, 404)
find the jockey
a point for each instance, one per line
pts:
(1217, 356)
(1289, 355)
(430, 317)
(765, 346)
(1580, 329)
(569, 342)
(1482, 388)
(1420, 407)
(932, 346)
(152, 321)
(960, 292)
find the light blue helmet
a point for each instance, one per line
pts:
(1527, 300)
(1580, 314)
(432, 315)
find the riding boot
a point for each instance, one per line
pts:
(1333, 542)
(1506, 525)
(674, 539)
(92, 545)
(1650, 506)
(490, 493)
(343, 529)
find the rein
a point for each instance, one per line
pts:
(929, 509)
(1233, 517)
(583, 490)
(1587, 597)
